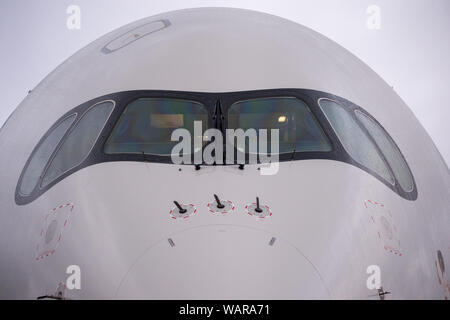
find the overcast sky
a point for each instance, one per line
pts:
(410, 51)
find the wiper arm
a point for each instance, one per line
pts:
(293, 154)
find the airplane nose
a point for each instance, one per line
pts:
(222, 262)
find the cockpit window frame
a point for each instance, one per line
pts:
(209, 100)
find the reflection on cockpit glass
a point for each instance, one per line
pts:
(299, 131)
(147, 124)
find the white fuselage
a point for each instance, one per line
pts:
(330, 220)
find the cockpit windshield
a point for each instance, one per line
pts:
(142, 126)
(146, 125)
(297, 127)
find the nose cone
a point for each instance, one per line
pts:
(222, 262)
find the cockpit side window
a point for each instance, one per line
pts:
(389, 150)
(42, 154)
(146, 125)
(79, 142)
(299, 131)
(355, 141)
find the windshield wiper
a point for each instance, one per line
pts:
(52, 297)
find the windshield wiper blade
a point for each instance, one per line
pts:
(293, 154)
(50, 297)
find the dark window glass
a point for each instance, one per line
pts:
(79, 142)
(353, 138)
(147, 124)
(41, 156)
(298, 128)
(390, 152)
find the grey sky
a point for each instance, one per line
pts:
(410, 51)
